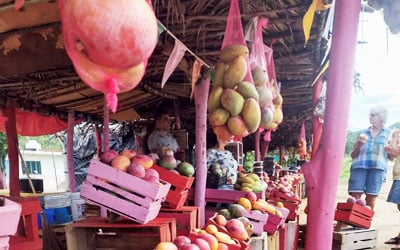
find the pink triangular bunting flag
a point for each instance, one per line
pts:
(173, 60)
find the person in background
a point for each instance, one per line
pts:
(160, 137)
(369, 158)
(218, 154)
(393, 150)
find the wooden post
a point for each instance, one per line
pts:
(201, 95)
(322, 172)
(70, 151)
(12, 143)
(257, 145)
(106, 141)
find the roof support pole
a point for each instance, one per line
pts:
(106, 140)
(201, 96)
(317, 125)
(70, 151)
(12, 144)
(322, 173)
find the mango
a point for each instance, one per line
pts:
(265, 96)
(236, 72)
(236, 210)
(266, 117)
(237, 126)
(278, 114)
(247, 90)
(232, 51)
(222, 133)
(219, 73)
(251, 114)
(278, 100)
(260, 76)
(232, 101)
(218, 117)
(214, 99)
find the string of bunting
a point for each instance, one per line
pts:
(176, 56)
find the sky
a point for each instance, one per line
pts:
(377, 61)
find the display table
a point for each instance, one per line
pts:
(97, 232)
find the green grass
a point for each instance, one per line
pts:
(345, 170)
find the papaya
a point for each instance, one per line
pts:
(251, 114)
(218, 117)
(236, 72)
(232, 101)
(247, 90)
(265, 96)
(260, 76)
(214, 99)
(219, 72)
(237, 126)
(232, 51)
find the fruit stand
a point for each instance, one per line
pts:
(245, 98)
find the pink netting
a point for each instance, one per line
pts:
(234, 33)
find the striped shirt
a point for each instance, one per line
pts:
(372, 154)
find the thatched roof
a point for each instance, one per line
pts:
(36, 71)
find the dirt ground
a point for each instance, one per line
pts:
(386, 219)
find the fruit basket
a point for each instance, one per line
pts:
(354, 214)
(122, 193)
(180, 186)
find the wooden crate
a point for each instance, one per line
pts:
(244, 245)
(354, 239)
(259, 242)
(224, 196)
(275, 222)
(273, 241)
(277, 195)
(187, 218)
(354, 214)
(97, 233)
(258, 221)
(179, 190)
(122, 193)
(292, 235)
(27, 236)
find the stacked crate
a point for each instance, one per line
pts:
(122, 193)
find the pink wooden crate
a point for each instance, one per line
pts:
(275, 222)
(4, 242)
(228, 196)
(123, 193)
(9, 215)
(258, 221)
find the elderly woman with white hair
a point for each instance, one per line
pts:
(369, 165)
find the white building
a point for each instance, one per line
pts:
(50, 167)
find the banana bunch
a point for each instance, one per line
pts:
(249, 182)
